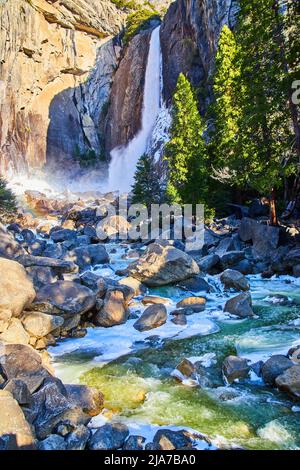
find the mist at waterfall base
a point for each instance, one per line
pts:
(124, 159)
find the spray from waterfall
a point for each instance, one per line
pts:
(124, 159)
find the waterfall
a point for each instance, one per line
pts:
(124, 159)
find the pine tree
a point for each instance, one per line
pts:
(146, 189)
(186, 152)
(7, 198)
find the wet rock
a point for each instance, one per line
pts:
(52, 442)
(70, 324)
(195, 285)
(15, 333)
(207, 263)
(59, 236)
(235, 280)
(89, 399)
(64, 298)
(109, 437)
(77, 440)
(289, 381)
(41, 276)
(9, 247)
(231, 258)
(179, 319)
(241, 306)
(134, 443)
(293, 257)
(114, 311)
(186, 368)
(235, 367)
(274, 367)
(59, 266)
(40, 324)
(16, 289)
(19, 391)
(196, 304)
(165, 439)
(90, 255)
(257, 368)
(13, 422)
(153, 317)
(162, 265)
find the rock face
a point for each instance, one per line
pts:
(162, 265)
(189, 37)
(52, 94)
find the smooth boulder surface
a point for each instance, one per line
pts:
(241, 306)
(89, 399)
(196, 304)
(65, 298)
(234, 280)
(166, 439)
(52, 442)
(114, 310)
(289, 381)
(109, 437)
(207, 263)
(153, 317)
(15, 333)
(40, 324)
(163, 265)
(16, 289)
(13, 422)
(58, 265)
(231, 258)
(274, 367)
(89, 255)
(235, 367)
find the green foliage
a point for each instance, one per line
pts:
(139, 20)
(125, 5)
(186, 152)
(7, 198)
(146, 189)
(88, 158)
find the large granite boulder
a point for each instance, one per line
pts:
(153, 317)
(167, 439)
(64, 298)
(40, 324)
(9, 247)
(109, 437)
(234, 280)
(16, 289)
(89, 399)
(57, 265)
(235, 367)
(89, 255)
(241, 306)
(163, 265)
(265, 238)
(289, 381)
(14, 332)
(274, 367)
(114, 309)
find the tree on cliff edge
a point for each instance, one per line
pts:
(7, 198)
(186, 152)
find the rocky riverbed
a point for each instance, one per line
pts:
(112, 344)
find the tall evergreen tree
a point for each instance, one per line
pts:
(186, 152)
(146, 188)
(7, 198)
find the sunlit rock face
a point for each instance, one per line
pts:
(189, 37)
(51, 96)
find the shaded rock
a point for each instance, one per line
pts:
(136, 285)
(241, 306)
(259, 208)
(196, 304)
(134, 443)
(265, 238)
(77, 440)
(13, 422)
(274, 367)
(208, 262)
(52, 442)
(54, 251)
(64, 298)
(59, 266)
(15, 333)
(179, 319)
(228, 244)
(186, 368)
(235, 280)
(244, 266)
(293, 257)
(289, 381)
(40, 324)
(36, 248)
(41, 276)
(154, 299)
(16, 289)
(162, 265)
(153, 317)
(195, 285)
(70, 323)
(235, 367)
(9, 247)
(19, 391)
(89, 399)
(165, 439)
(94, 282)
(231, 258)
(90, 255)
(114, 311)
(109, 437)
(59, 236)
(257, 368)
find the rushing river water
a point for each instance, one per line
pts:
(134, 369)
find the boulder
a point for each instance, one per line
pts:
(136, 285)
(231, 258)
(16, 289)
(265, 238)
(241, 306)
(154, 299)
(56, 251)
(59, 236)
(227, 244)
(195, 284)
(40, 324)
(274, 367)
(207, 263)
(78, 439)
(94, 282)
(89, 255)
(162, 265)
(89, 399)
(134, 443)
(259, 208)
(179, 319)
(235, 280)
(9, 247)
(289, 381)
(58, 266)
(196, 304)
(52, 442)
(109, 437)
(13, 422)
(41, 276)
(292, 258)
(65, 298)
(235, 367)
(153, 317)
(114, 311)
(166, 439)
(15, 333)
(19, 391)
(113, 225)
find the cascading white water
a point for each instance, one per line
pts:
(124, 159)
